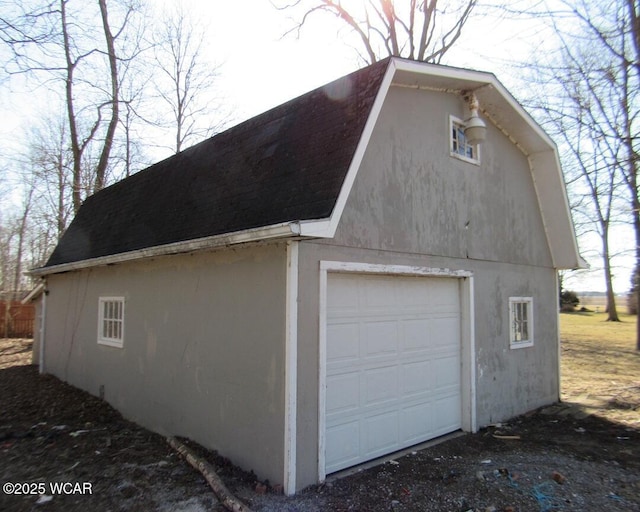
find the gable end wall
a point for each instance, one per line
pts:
(410, 195)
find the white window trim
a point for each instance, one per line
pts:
(476, 147)
(524, 343)
(103, 340)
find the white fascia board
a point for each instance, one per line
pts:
(315, 228)
(438, 70)
(554, 207)
(33, 294)
(282, 230)
(524, 116)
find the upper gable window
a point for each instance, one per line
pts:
(459, 146)
(111, 321)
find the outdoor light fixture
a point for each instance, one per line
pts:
(475, 130)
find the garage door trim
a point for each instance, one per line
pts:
(467, 336)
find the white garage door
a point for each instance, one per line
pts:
(393, 364)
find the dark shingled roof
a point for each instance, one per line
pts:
(287, 164)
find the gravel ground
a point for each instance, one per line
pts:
(559, 458)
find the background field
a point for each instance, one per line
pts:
(600, 366)
(598, 303)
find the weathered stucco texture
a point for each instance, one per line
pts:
(203, 353)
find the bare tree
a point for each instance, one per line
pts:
(55, 45)
(422, 30)
(50, 165)
(613, 34)
(187, 80)
(132, 95)
(597, 74)
(590, 159)
(21, 230)
(14, 233)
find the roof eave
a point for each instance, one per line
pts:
(282, 230)
(33, 294)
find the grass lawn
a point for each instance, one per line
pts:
(601, 366)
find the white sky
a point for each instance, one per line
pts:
(260, 69)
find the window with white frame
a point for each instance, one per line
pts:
(111, 321)
(521, 322)
(460, 147)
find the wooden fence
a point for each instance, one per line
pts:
(16, 320)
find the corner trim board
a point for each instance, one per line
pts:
(43, 324)
(291, 369)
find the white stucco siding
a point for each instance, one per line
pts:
(514, 381)
(411, 195)
(203, 351)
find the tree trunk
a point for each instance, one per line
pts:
(103, 163)
(76, 148)
(636, 226)
(612, 310)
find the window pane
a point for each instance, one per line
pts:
(520, 317)
(111, 321)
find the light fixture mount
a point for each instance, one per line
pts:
(475, 129)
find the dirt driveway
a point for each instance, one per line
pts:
(566, 457)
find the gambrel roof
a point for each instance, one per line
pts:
(288, 172)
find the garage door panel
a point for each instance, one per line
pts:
(380, 338)
(342, 296)
(380, 434)
(397, 375)
(442, 329)
(414, 421)
(446, 371)
(343, 444)
(380, 385)
(414, 295)
(343, 392)
(440, 290)
(415, 335)
(416, 378)
(374, 294)
(446, 415)
(344, 344)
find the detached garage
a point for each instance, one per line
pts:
(344, 276)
